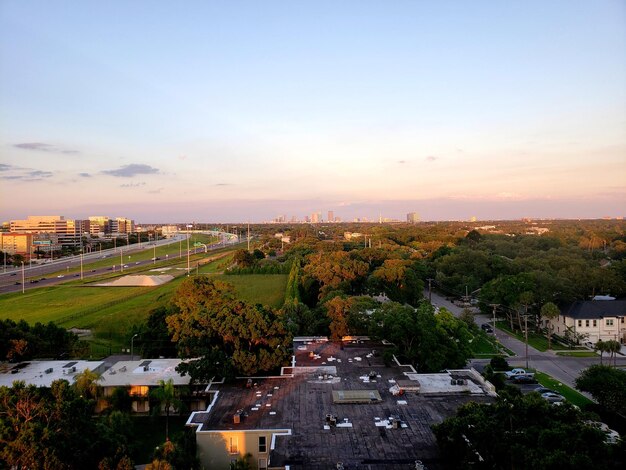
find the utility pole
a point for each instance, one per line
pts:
(526, 337)
(430, 290)
(248, 236)
(495, 306)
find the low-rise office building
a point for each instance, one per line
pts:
(337, 406)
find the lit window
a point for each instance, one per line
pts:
(139, 391)
(262, 444)
(233, 446)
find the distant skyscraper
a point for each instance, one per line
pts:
(315, 218)
(331, 216)
(412, 217)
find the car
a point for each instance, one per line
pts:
(541, 390)
(42, 279)
(13, 274)
(611, 436)
(109, 269)
(76, 275)
(125, 265)
(34, 281)
(136, 262)
(486, 328)
(17, 283)
(552, 397)
(524, 379)
(60, 276)
(512, 373)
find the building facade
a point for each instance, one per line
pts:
(67, 231)
(592, 320)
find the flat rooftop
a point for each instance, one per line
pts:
(388, 433)
(146, 372)
(43, 373)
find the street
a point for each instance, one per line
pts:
(563, 368)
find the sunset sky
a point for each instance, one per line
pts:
(167, 111)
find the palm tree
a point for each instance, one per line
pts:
(600, 346)
(86, 383)
(550, 311)
(167, 397)
(613, 347)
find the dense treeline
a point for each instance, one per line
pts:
(21, 341)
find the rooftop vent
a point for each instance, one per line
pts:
(49, 370)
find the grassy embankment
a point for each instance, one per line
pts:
(110, 312)
(571, 395)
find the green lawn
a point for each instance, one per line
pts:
(570, 394)
(577, 353)
(539, 342)
(111, 312)
(266, 289)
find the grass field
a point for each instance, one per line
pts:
(266, 289)
(539, 342)
(577, 353)
(570, 394)
(111, 312)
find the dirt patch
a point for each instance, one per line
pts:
(137, 281)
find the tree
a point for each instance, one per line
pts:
(166, 396)
(523, 432)
(86, 383)
(602, 347)
(549, 311)
(606, 384)
(253, 337)
(613, 347)
(335, 270)
(243, 258)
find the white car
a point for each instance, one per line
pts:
(553, 397)
(612, 436)
(515, 372)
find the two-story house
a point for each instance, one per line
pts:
(596, 319)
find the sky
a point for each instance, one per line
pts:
(236, 111)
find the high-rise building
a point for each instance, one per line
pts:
(315, 217)
(331, 216)
(412, 217)
(122, 225)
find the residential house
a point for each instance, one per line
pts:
(592, 320)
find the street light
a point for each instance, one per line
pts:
(81, 264)
(132, 351)
(22, 277)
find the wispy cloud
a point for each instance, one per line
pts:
(24, 174)
(40, 174)
(132, 185)
(4, 167)
(84, 175)
(155, 191)
(401, 162)
(431, 158)
(134, 169)
(43, 147)
(223, 184)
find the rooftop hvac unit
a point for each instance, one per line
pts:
(237, 418)
(49, 370)
(146, 368)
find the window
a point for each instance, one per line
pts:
(580, 323)
(262, 444)
(587, 323)
(262, 464)
(233, 445)
(622, 320)
(609, 322)
(595, 323)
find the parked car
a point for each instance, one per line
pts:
(60, 276)
(552, 397)
(515, 372)
(542, 390)
(612, 436)
(524, 379)
(486, 328)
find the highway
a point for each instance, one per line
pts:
(42, 274)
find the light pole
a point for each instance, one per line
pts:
(526, 337)
(81, 264)
(187, 254)
(22, 277)
(154, 257)
(132, 351)
(121, 261)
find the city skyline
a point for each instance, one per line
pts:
(227, 112)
